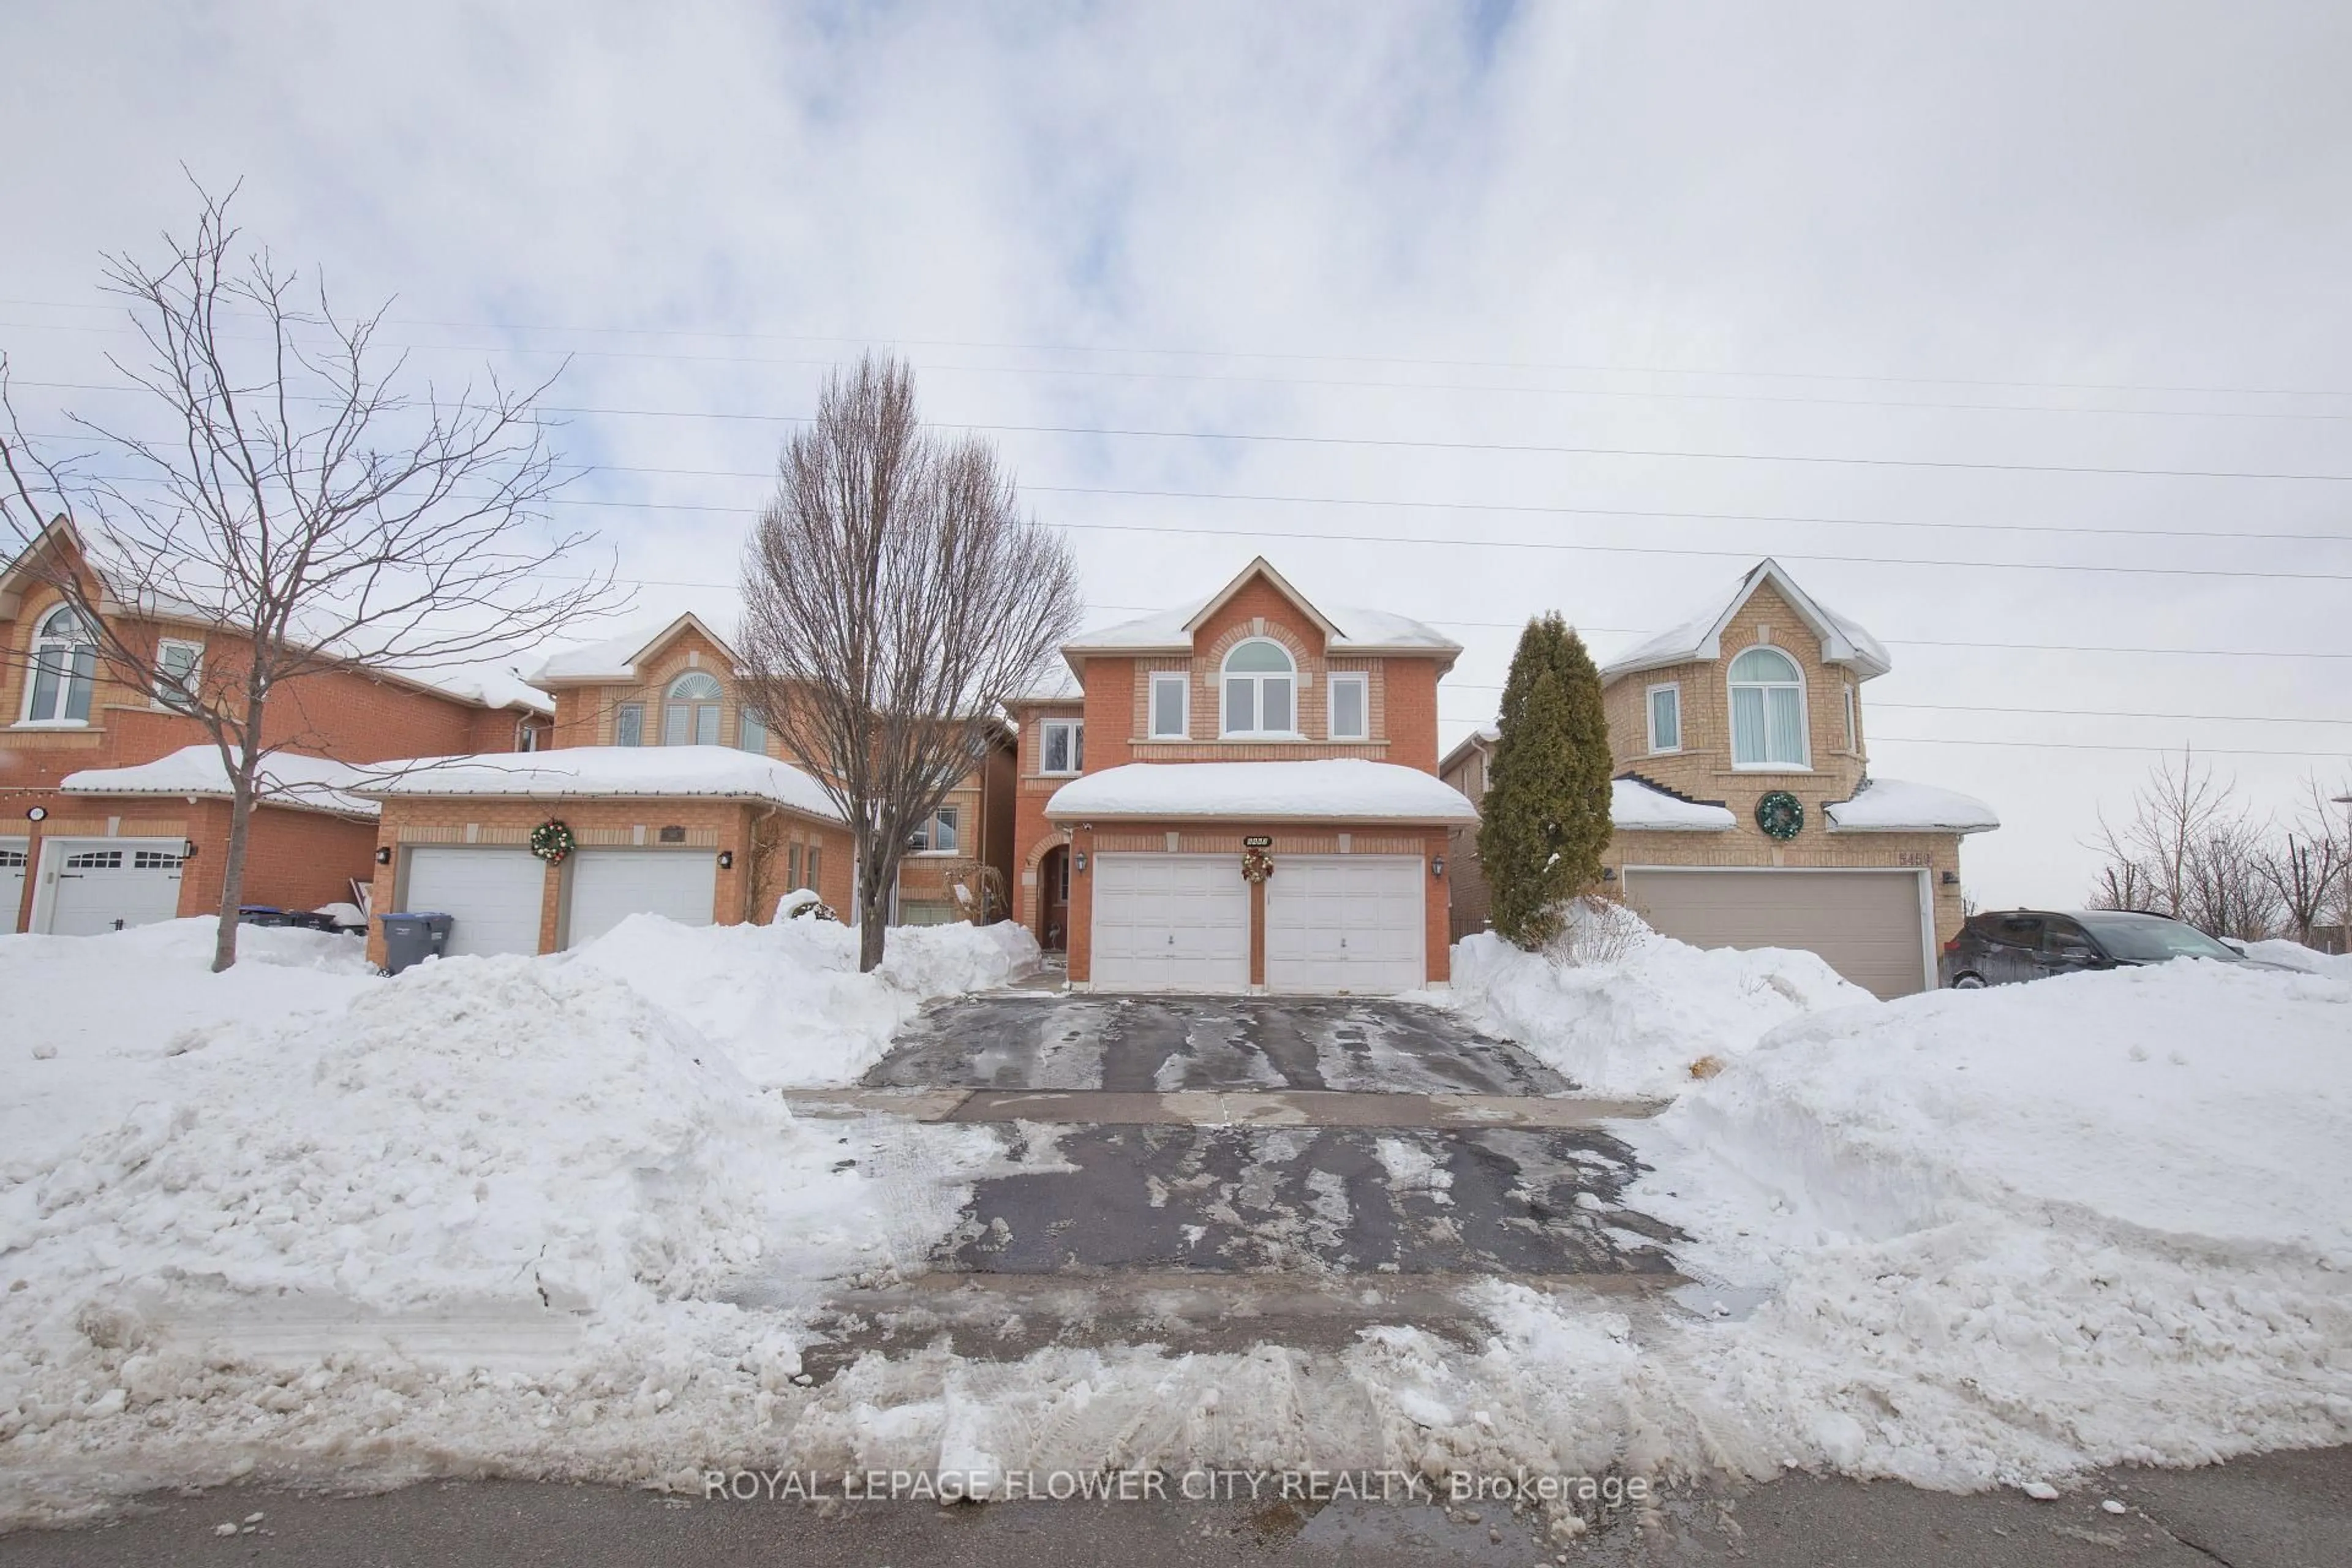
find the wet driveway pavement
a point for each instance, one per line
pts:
(1155, 1043)
(1223, 1170)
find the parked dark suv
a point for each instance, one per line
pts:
(2009, 945)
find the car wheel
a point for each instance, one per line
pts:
(1968, 982)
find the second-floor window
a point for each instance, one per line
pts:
(749, 733)
(629, 724)
(1350, 707)
(1170, 705)
(1062, 746)
(1666, 718)
(179, 666)
(690, 713)
(1261, 688)
(65, 670)
(1767, 711)
(937, 837)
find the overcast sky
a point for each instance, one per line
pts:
(1967, 244)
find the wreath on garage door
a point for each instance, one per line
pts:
(1256, 865)
(1781, 815)
(552, 842)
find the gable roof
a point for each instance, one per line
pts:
(616, 657)
(1346, 629)
(1843, 641)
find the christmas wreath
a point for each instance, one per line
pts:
(1256, 865)
(552, 842)
(1781, 815)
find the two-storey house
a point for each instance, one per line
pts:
(1241, 795)
(114, 803)
(679, 802)
(1745, 811)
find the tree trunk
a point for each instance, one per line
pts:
(232, 896)
(873, 911)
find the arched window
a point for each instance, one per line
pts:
(690, 714)
(1767, 711)
(1261, 690)
(65, 670)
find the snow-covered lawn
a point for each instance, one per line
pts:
(545, 1216)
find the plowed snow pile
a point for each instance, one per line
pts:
(2009, 1232)
(1633, 1015)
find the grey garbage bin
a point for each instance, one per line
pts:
(412, 938)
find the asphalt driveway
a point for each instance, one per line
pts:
(1176, 1043)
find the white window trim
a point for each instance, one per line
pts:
(1078, 729)
(1804, 717)
(932, 831)
(195, 670)
(1650, 716)
(25, 719)
(1298, 678)
(1362, 682)
(1184, 682)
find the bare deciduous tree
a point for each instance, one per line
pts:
(2306, 864)
(895, 598)
(2193, 851)
(294, 500)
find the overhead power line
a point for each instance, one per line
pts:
(1403, 443)
(1594, 367)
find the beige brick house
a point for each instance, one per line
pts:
(1745, 811)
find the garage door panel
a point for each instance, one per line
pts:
(110, 884)
(1867, 924)
(1353, 923)
(491, 896)
(1169, 923)
(15, 855)
(608, 886)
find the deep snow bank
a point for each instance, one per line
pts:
(786, 1003)
(1635, 1015)
(89, 1020)
(2032, 1228)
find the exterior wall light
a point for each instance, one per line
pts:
(1081, 863)
(384, 854)
(1951, 878)
(37, 814)
(1608, 873)
(727, 860)
(1437, 866)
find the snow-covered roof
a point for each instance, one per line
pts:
(491, 686)
(1896, 805)
(1348, 629)
(615, 657)
(1636, 805)
(1058, 686)
(1843, 641)
(578, 772)
(1337, 789)
(292, 779)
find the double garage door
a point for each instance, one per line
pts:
(93, 885)
(1872, 926)
(493, 895)
(1334, 924)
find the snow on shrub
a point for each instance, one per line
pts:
(1621, 1009)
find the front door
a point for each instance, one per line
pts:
(1053, 899)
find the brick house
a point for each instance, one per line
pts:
(1251, 720)
(1716, 728)
(683, 804)
(114, 806)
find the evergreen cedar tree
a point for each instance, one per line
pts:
(1544, 820)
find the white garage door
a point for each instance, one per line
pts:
(608, 886)
(1355, 923)
(105, 884)
(1870, 925)
(12, 882)
(1170, 922)
(491, 896)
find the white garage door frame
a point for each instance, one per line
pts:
(604, 887)
(1310, 927)
(500, 869)
(1928, 978)
(14, 857)
(1196, 939)
(56, 852)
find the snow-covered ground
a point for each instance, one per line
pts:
(543, 1217)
